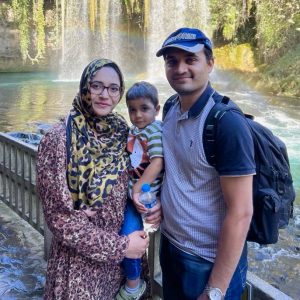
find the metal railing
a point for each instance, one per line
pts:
(17, 180)
(18, 191)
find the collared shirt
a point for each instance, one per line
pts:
(192, 199)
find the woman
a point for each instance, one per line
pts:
(82, 183)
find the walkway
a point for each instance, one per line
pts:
(22, 266)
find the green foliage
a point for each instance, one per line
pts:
(281, 77)
(21, 12)
(285, 72)
(278, 25)
(275, 24)
(230, 25)
(29, 13)
(235, 57)
(39, 20)
(4, 12)
(228, 16)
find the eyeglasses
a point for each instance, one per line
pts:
(98, 88)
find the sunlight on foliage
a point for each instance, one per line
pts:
(277, 23)
(238, 57)
(29, 15)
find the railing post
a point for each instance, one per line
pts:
(154, 266)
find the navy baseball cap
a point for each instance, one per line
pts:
(189, 39)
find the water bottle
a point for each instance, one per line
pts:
(149, 200)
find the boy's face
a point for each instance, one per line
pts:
(142, 112)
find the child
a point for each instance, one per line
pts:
(144, 145)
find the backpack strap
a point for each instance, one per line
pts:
(169, 103)
(222, 105)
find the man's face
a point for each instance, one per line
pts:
(187, 72)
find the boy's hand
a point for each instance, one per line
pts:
(138, 205)
(154, 215)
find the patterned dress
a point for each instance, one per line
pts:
(86, 252)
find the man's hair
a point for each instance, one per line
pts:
(208, 54)
(143, 89)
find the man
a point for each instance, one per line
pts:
(207, 210)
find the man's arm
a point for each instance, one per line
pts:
(237, 192)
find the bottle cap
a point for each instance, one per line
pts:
(145, 187)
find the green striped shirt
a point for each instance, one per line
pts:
(143, 145)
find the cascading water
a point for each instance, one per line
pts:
(88, 33)
(75, 39)
(167, 16)
(104, 30)
(106, 41)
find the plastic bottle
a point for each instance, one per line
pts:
(149, 200)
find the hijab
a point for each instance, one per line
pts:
(96, 145)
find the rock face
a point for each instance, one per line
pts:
(9, 41)
(10, 54)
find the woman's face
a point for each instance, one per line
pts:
(105, 91)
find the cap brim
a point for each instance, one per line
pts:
(193, 49)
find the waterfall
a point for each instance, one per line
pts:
(103, 28)
(88, 33)
(169, 16)
(75, 39)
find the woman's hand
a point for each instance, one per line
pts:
(90, 213)
(154, 215)
(138, 243)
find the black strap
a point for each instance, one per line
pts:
(169, 103)
(222, 105)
